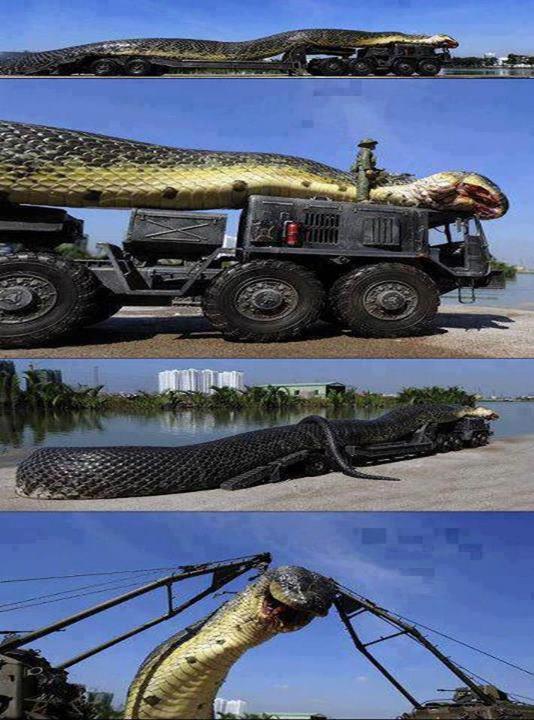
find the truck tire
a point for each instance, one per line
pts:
(385, 300)
(43, 296)
(404, 68)
(105, 66)
(264, 301)
(105, 307)
(139, 67)
(428, 67)
(361, 68)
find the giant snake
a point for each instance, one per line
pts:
(52, 166)
(212, 50)
(231, 463)
(181, 677)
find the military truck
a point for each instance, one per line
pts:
(466, 705)
(376, 270)
(396, 58)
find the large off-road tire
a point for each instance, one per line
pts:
(385, 300)
(264, 301)
(43, 296)
(105, 66)
(102, 309)
(403, 68)
(429, 67)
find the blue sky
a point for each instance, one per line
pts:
(423, 127)
(502, 376)
(480, 25)
(468, 575)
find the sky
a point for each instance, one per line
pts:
(479, 25)
(469, 575)
(501, 377)
(423, 126)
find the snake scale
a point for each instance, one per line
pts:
(180, 678)
(27, 63)
(107, 472)
(51, 166)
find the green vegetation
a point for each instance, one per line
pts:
(510, 271)
(49, 395)
(451, 395)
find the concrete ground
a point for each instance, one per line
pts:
(461, 331)
(495, 477)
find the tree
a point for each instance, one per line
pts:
(435, 394)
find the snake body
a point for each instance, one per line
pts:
(180, 678)
(51, 166)
(107, 472)
(212, 50)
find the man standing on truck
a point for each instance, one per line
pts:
(364, 167)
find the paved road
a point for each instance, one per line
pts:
(460, 332)
(496, 477)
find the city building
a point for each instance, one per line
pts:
(311, 390)
(203, 381)
(234, 707)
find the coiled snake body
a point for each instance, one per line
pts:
(212, 50)
(50, 166)
(107, 472)
(180, 678)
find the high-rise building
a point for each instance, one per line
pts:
(208, 380)
(219, 706)
(235, 707)
(199, 380)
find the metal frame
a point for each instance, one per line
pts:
(222, 573)
(350, 605)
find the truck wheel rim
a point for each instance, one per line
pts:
(266, 299)
(391, 300)
(24, 298)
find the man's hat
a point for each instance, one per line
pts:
(367, 142)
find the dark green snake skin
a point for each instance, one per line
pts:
(39, 62)
(107, 472)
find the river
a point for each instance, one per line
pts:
(168, 428)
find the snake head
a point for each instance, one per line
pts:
(479, 412)
(443, 41)
(480, 196)
(466, 192)
(294, 596)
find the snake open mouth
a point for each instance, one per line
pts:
(284, 616)
(487, 204)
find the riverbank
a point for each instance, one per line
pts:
(495, 477)
(461, 331)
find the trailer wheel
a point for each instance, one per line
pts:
(403, 67)
(139, 66)
(104, 66)
(42, 296)
(264, 301)
(428, 68)
(327, 66)
(385, 300)
(361, 67)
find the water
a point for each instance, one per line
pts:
(168, 428)
(519, 293)
(497, 72)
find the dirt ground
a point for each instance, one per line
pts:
(495, 477)
(460, 332)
